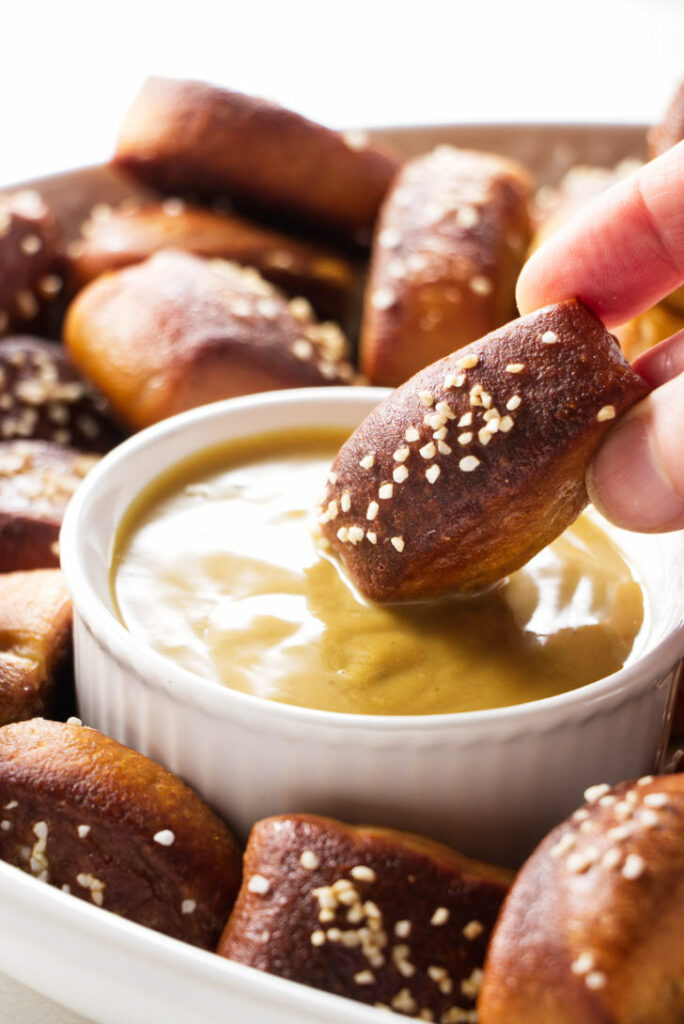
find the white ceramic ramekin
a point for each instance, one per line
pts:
(489, 782)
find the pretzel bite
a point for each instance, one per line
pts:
(44, 398)
(35, 642)
(670, 131)
(384, 917)
(183, 135)
(37, 480)
(592, 928)
(178, 331)
(450, 241)
(113, 827)
(117, 238)
(31, 262)
(466, 471)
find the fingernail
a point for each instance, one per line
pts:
(627, 483)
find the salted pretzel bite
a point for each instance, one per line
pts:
(380, 916)
(450, 242)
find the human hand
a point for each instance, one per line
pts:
(620, 255)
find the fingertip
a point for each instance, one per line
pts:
(630, 480)
(663, 362)
(524, 289)
(621, 253)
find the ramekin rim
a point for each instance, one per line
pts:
(134, 654)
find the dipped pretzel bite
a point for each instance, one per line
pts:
(37, 481)
(178, 331)
(475, 464)
(185, 135)
(35, 642)
(99, 820)
(592, 928)
(450, 242)
(380, 916)
(43, 398)
(111, 239)
(31, 262)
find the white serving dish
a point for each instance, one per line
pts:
(117, 972)
(113, 971)
(490, 783)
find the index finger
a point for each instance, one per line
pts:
(619, 255)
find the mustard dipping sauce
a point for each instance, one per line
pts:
(216, 568)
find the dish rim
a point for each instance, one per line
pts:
(133, 652)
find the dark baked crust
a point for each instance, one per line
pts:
(115, 828)
(112, 239)
(35, 641)
(468, 512)
(37, 480)
(592, 928)
(451, 239)
(670, 131)
(185, 135)
(31, 262)
(410, 927)
(44, 398)
(178, 331)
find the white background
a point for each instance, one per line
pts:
(68, 70)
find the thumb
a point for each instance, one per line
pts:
(637, 477)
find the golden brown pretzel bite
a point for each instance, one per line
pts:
(184, 135)
(31, 262)
(466, 471)
(380, 916)
(35, 641)
(44, 398)
(120, 237)
(113, 827)
(178, 331)
(37, 481)
(450, 242)
(592, 928)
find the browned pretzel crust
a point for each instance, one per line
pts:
(44, 398)
(384, 917)
(117, 238)
(450, 242)
(184, 135)
(35, 641)
(462, 474)
(113, 827)
(37, 481)
(31, 262)
(592, 928)
(178, 331)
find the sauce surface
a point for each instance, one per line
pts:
(216, 568)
